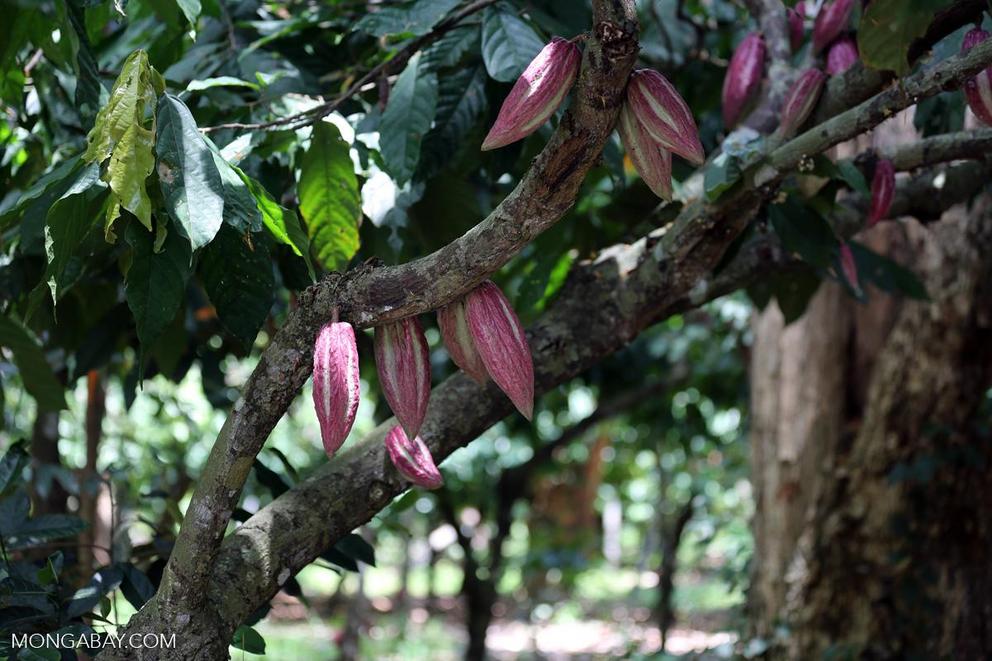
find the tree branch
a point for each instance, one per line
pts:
(975, 145)
(369, 295)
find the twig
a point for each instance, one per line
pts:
(307, 117)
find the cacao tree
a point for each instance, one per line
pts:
(468, 205)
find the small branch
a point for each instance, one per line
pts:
(974, 145)
(947, 75)
(387, 67)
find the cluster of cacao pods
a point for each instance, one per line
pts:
(978, 90)
(745, 72)
(654, 122)
(484, 337)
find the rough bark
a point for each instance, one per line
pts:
(881, 544)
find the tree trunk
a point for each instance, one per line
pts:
(872, 485)
(671, 539)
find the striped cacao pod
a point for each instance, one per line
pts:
(336, 388)
(413, 459)
(403, 362)
(536, 95)
(500, 340)
(664, 114)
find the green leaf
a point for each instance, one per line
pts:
(120, 134)
(136, 587)
(329, 197)
(415, 18)
(355, 547)
(86, 598)
(720, 176)
(851, 175)
(461, 101)
(238, 280)
(803, 231)
(888, 27)
(249, 640)
(449, 49)
(240, 209)
(187, 173)
(407, 118)
(132, 95)
(281, 222)
(887, 275)
(130, 164)
(34, 369)
(155, 284)
(508, 44)
(219, 81)
(42, 529)
(68, 221)
(943, 113)
(11, 466)
(191, 10)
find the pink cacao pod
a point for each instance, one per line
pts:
(978, 90)
(652, 162)
(743, 78)
(336, 388)
(842, 55)
(801, 100)
(883, 187)
(413, 459)
(797, 17)
(664, 114)
(500, 340)
(461, 347)
(848, 265)
(833, 19)
(403, 362)
(536, 95)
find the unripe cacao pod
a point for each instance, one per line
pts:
(403, 362)
(453, 322)
(743, 78)
(500, 340)
(849, 267)
(536, 95)
(842, 55)
(801, 100)
(797, 17)
(663, 113)
(883, 187)
(652, 162)
(413, 459)
(833, 19)
(978, 90)
(336, 388)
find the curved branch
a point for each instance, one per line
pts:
(369, 295)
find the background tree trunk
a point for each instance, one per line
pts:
(871, 482)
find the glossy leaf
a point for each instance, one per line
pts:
(187, 173)
(155, 284)
(407, 118)
(33, 367)
(239, 281)
(508, 44)
(329, 198)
